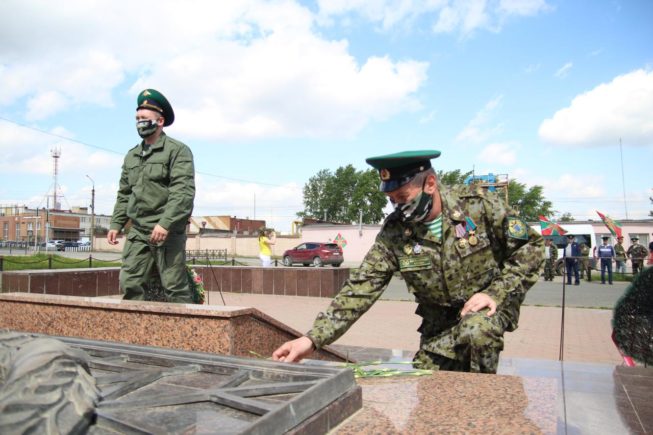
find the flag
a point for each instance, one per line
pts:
(551, 228)
(613, 226)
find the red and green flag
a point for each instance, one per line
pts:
(550, 228)
(613, 226)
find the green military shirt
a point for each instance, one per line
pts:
(619, 252)
(157, 186)
(503, 262)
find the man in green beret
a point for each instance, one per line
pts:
(156, 193)
(465, 256)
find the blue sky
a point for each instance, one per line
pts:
(266, 94)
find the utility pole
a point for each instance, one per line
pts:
(92, 237)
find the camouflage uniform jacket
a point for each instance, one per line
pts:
(156, 187)
(443, 273)
(637, 252)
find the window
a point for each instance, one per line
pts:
(17, 235)
(5, 231)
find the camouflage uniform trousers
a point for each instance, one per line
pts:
(549, 269)
(585, 268)
(139, 259)
(470, 344)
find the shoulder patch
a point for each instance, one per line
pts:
(516, 228)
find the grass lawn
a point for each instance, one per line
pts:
(42, 261)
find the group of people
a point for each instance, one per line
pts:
(576, 258)
(464, 254)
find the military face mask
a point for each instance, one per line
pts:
(416, 210)
(146, 127)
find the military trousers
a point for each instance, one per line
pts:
(549, 270)
(140, 257)
(469, 344)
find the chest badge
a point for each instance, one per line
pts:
(462, 243)
(417, 249)
(408, 232)
(408, 249)
(473, 240)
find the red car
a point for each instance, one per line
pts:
(317, 254)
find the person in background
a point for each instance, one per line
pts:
(584, 262)
(463, 253)
(266, 238)
(156, 193)
(550, 257)
(571, 254)
(606, 255)
(637, 253)
(620, 255)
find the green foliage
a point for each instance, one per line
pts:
(528, 202)
(566, 217)
(343, 195)
(451, 178)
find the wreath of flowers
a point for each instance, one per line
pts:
(196, 286)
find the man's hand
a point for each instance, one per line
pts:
(112, 237)
(159, 234)
(294, 350)
(477, 302)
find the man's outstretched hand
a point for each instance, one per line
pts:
(294, 350)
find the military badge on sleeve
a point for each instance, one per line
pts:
(517, 228)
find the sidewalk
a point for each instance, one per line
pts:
(393, 325)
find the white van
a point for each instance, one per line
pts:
(583, 233)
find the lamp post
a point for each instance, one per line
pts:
(92, 237)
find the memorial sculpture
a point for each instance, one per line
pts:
(45, 386)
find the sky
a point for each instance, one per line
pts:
(268, 93)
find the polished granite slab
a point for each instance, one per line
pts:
(526, 396)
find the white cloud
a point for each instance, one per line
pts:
(447, 16)
(564, 70)
(233, 69)
(499, 153)
(603, 115)
(28, 151)
(479, 129)
(277, 205)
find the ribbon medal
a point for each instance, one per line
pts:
(473, 240)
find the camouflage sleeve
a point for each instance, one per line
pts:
(119, 217)
(520, 252)
(364, 286)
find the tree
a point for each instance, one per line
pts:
(451, 178)
(528, 202)
(342, 196)
(566, 217)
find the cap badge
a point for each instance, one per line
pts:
(385, 174)
(146, 93)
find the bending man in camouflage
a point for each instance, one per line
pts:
(463, 255)
(156, 193)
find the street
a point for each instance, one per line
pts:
(548, 294)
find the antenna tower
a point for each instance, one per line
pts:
(56, 153)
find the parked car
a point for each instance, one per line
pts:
(50, 245)
(68, 244)
(317, 254)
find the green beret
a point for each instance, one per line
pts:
(398, 169)
(152, 99)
